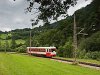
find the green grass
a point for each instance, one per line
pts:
(20, 41)
(82, 60)
(3, 36)
(3, 42)
(9, 41)
(17, 64)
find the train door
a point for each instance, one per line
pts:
(47, 50)
(48, 54)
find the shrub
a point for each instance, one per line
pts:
(60, 51)
(2, 49)
(93, 55)
(81, 53)
(66, 50)
(21, 49)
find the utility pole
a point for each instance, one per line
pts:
(6, 44)
(30, 38)
(75, 39)
(30, 43)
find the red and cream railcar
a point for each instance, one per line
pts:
(46, 51)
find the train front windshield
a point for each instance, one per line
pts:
(53, 50)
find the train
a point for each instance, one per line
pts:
(43, 51)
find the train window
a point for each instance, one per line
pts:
(29, 49)
(39, 50)
(44, 50)
(50, 50)
(53, 50)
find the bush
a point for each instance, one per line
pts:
(60, 51)
(66, 50)
(93, 55)
(81, 54)
(21, 49)
(2, 49)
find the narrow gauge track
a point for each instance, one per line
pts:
(84, 63)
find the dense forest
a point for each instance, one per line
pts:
(60, 35)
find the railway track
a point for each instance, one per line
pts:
(86, 64)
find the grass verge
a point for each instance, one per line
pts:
(17, 64)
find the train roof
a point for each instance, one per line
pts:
(42, 47)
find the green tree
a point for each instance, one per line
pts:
(92, 43)
(13, 44)
(0, 43)
(50, 9)
(66, 50)
(7, 47)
